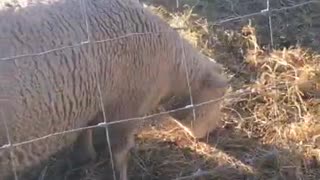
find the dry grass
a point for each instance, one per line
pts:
(271, 130)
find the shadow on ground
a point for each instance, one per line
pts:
(166, 152)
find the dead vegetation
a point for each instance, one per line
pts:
(271, 126)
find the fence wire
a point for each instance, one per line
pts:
(102, 106)
(267, 11)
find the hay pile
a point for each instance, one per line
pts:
(271, 115)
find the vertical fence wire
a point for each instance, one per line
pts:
(10, 147)
(270, 24)
(96, 71)
(188, 80)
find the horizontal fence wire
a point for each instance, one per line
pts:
(262, 12)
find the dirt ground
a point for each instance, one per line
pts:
(271, 127)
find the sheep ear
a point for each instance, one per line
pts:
(213, 80)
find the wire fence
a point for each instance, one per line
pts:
(267, 12)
